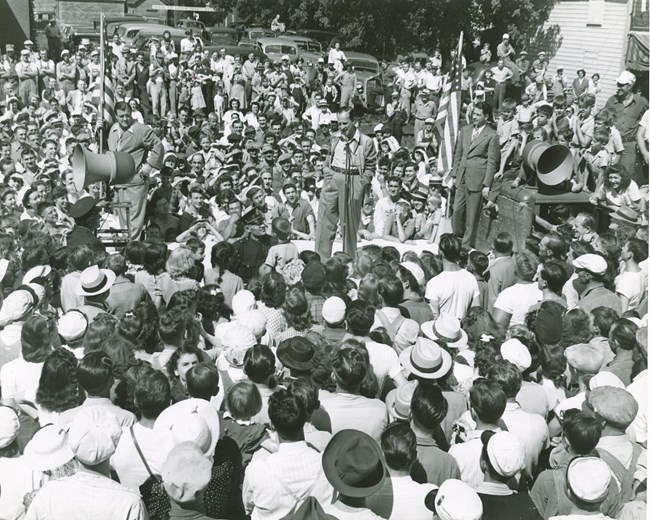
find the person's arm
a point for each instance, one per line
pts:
(501, 317)
(641, 142)
(583, 139)
(493, 157)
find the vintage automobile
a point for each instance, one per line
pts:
(223, 35)
(129, 31)
(308, 48)
(323, 37)
(275, 48)
(250, 35)
(368, 71)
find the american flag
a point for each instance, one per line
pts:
(447, 121)
(107, 100)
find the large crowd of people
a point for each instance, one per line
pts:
(207, 355)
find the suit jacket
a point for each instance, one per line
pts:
(141, 78)
(366, 155)
(140, 141)
(477, 161)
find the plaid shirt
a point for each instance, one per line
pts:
(315, 302)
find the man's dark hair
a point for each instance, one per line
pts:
(399, 446)
(488, 400)
(202, 381)
(95, 373)
(484, 107)
(152, 393)
(554, 274)
(122, 106)
(556, 244)
(43, 206)
(603, 318)
(287, 415)
(116, 263)
(582, 430)
(391, 290)
(359, 317)
(623, 332)
(638, 248)
(259, 363)
(350, 368)
(80, 258)
(450, 247)
(507, 375)
(503, 243)
(428, 406)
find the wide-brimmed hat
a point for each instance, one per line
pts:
(627, 215)
(354, 464)
(38, 271)
(446, 328)
(48, 449)
(398, 401)
(426, 359)
(94, 281)
(297, 353)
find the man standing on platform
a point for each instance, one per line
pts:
(352, 166)
(139, 140)
(476, 160)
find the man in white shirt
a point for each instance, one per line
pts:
(348, 409)
(387, 204)
(138, 451)
(487, 402)
(455, 289)
(530, 428)
(400, 497)
(275, 483)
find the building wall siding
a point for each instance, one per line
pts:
(83, 14)
(595, 49)
(16, 22)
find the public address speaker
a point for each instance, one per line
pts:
(551, 163)
(112, 167)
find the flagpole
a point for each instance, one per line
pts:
(459, 57)
(102, 64)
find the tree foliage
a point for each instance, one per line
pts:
(386, 28)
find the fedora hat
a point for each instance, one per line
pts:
(94, 281)
(398, 401)
(297, 353)
(354, 464)
(627, 215)
(446, 328)
(426, 359)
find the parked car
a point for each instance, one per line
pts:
(250, 35)
(112, 22)
(198, 27)
(223, 35)
(323, 37)
(275, 48)
(368, 71)
(308, 48)
(128, 32)
(142, 41)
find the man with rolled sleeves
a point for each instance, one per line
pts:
(352, 166)
(628, 108)
(424, 108)
(141, 142)
(476, 160)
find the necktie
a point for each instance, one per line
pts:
(475, 133)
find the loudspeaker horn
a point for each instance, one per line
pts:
(112, 167)
(552, 163)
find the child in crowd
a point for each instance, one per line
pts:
(604, 119)
(584, 227)
(400, 225)
(525, 111)
(486, 53)
(430, 226)
(592, 167)
(508, 132)
(619, 190)
(285, 250)
(367, 226)
(489, 86)
(544, 112)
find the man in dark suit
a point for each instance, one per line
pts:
(476, 160)
(140, 90)
(352, 166)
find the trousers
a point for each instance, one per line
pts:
(467, 211)
(334, 206)
(136, 196)
(158, 99)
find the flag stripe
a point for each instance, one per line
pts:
(447, 121)
(108, 100)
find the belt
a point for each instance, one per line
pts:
(344, 171)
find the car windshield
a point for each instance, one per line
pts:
(364, 65)
(132, 33)
(314, 47)
(224, 37)
(258, 34)
(280, 49)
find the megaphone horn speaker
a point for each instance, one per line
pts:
(552, 163)
(112, 167)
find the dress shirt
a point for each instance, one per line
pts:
(401, 498)
(273, 486)
(124, 417)
(531, 430)
(86, 496)
(349, 411)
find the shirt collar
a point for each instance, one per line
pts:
(494, 488)
(425, 441)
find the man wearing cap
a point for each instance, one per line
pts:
(86, 216)
(145, 147)
(423, 109)
(254, 246)
(90, 493)
(476, 161)
(591, 270)
(505, 50)
(66, 72)
(27, 72)
(628, 108)
(352, 167)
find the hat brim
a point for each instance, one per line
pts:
(621, 218)
(332, 454)
(288, 362)
(110, 279)
(427, 330)
(445, 367)
(390, 406)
